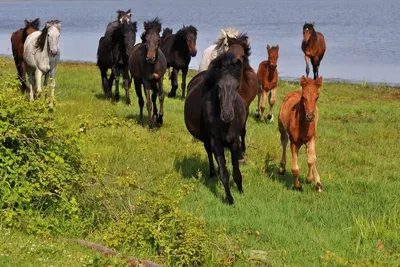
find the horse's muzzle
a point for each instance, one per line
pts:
(151, 59)
(310, 117)
(194, 53)
(54, 53)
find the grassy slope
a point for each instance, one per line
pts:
(357, 158)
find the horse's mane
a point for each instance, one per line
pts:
(230, 32)
(309, 26)
(150, 25)
(41, 40)
(30, 24)
(242, 39)
(167, 32)
(180, 36)
(224, 64)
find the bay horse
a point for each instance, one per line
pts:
(268, 77)
(178, 49)
(215, 114)
(249, 84)
(147, 65)
(113, 53)
(220, 46)
(313, 46)
(17, 45)
(297, 121)
(41, 55)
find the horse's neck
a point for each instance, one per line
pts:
(313, 39)
(271, 72)
(180, 46)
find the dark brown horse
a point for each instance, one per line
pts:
(249, 84)
(313, 46)
(215, 114)
(148, 65)
(17, 44)
(268, 77)
(178, 49)
(298, 119)
(113, 53)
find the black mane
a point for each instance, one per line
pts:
(41, 40)
(180, 36)
(308, 26)
(150, 25)
(167, 32)
(224, 64)
(30, 24)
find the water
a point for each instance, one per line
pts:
(362, 36)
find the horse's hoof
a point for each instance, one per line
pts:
(242, 161)
(309, 180)
(257, 116)
(318, 187)
(230, 201)
(299, 188)
(281, 171)
(270, 117)
(159, 121)
(171, 94)
(183, 97)
(241, 191)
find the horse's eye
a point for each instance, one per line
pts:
(303, 98)
(317, 97)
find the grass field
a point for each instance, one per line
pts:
(356, 219)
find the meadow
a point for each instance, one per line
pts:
(355, 220)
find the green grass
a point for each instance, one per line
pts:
(356, 218)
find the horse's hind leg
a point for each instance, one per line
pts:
(284, 142)
(127, 81)
(258, 102)
(116, 75)
(20, 64)
(315, 64)
(207, 146)
(237, 175)
(138, 89)
(174, 83)
(262, 104)
(32, 88)
(271, 100)
(312, 169)
(242, 149)
(104, 82)
(307, 59)
(183, 85)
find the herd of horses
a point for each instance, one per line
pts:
(218, 98)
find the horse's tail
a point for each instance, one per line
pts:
(100, 40)
(167, 32)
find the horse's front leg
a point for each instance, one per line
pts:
(138, 89)
(38, 82)
(174, 83)
(147, 89)
(262, 104)
(312, 169)
(237, 175)
(161, 96)
(242, 150)
(32, 88)
(284, 142)
(315, 64)
(223, 171)
(295, 167)
(116, 74)
(127, 84)
(183, 85)
(307, 59)
(271, 100)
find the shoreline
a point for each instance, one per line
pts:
(282, 78)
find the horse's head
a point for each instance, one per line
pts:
(308, 31)
(124, 16)
(128, 29)
(32, 26)
(240, 47)
(224, 76)
(222, 41)
(190, 36)
(273, 55)
(53, 28)
(309, 96)
(151, 38)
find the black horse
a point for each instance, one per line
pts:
(178, 49)
(148, 65)
(113, 53)
(215, 114)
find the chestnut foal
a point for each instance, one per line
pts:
(298, 119)
(268, 77)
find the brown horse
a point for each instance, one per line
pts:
(268, 77)
(17, 44)
(249, 84)
(298, 118)
(178, 49)
(313, 46)
(148, 65)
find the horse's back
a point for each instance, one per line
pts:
(17, 45)
(134, 62)
(208, 55)
(322, 44)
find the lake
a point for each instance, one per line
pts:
(362, 36)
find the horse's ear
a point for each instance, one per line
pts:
(277, 48)
(268, 48)
(245, 41)
(48, 24)
(313, 23)
(224, 32)
(26, 22)
(318, 82)
(303, 81)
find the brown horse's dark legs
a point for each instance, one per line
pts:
(148, 104)
(154, 100)
(161, 96)
(115, 73)
(315, 65)
(237, 175)
(284, 142)
(242, 149)
(105, 82)
(127, 81)
(207, 146)
(138, 89)
(223, 171)
(183, 85)
(174, 83)
(307, 65)
(21, 74)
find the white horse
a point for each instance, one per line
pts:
(220, 46)
(41, 56)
